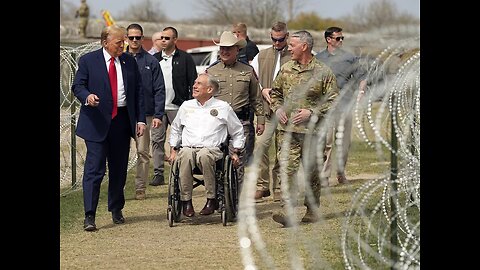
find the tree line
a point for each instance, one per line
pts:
(261, 14)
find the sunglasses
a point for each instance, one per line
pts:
(278, 39)
(166, 38)
(338, 38)
(135, 37)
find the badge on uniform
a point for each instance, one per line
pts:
(213, 112)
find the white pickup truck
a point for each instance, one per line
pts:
(207, 55)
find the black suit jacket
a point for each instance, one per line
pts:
(184, 73)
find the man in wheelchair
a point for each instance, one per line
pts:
(202, 124)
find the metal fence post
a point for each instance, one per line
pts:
(394, 192)
(73, 139)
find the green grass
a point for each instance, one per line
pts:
(318, 245)
(71, 204)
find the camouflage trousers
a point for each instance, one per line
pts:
(293, 149)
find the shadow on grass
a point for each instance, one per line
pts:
(137, 219)
(340, 214)
(213, 219)
(150, 195)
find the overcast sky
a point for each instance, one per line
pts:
(184, 9)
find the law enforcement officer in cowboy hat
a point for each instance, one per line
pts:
(238, 85)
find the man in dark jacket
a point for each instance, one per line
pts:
(247, 53)
(154, 93)
(179, 74)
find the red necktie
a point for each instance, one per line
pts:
(112, 74)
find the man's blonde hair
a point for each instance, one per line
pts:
(107, 30)
(240, 27)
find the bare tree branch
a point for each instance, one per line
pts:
(67, 10)
(377, 14)
(145, 11)
(254, 13)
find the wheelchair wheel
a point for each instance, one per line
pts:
(224, 217)
(231, 193)
(174, 204)
(170, 216)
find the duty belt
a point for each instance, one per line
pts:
(244, 113)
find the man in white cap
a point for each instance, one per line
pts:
(239, 87)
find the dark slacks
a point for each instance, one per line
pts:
(114, 150)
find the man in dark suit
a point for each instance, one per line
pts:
(108, 119)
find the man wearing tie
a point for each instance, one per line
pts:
(109, 87)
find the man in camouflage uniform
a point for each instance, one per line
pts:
(83, 12)
(239, 87)
(302, 94)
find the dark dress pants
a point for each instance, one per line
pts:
(115, 149)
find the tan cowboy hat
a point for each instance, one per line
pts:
(229, 39)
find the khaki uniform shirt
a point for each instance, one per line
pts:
(238, 86)
(312, 87)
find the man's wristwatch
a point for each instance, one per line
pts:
(236, 151)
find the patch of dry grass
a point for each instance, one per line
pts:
(202, 242)
(146, 241)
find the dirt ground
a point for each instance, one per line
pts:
(146, 241)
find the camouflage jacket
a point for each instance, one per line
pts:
(312, 87)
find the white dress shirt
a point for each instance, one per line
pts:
(206, 126)
(122, 99)
(166, 66)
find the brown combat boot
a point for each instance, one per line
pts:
(140, 195)
(310, 216)
(282, 218)
(259, 194)
(342, 179)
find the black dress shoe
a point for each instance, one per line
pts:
(158, 180)
(209, 207)
(117, 217)
(188, 210)
(89, 223)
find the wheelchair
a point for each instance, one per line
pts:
(226, 189)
